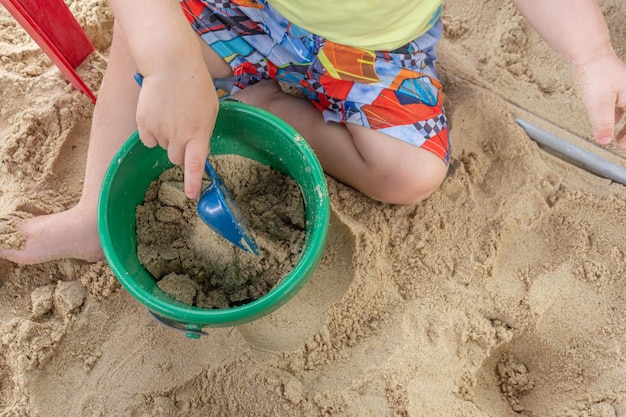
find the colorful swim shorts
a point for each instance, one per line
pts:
(394, 92)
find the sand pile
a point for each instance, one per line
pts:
(196, 265)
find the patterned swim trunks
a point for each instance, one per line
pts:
(394, 92)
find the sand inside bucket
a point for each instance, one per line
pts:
(194, 264)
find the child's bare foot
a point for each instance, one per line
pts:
(68, 234)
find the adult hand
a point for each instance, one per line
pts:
(177, 111)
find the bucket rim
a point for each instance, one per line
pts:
(287, 286)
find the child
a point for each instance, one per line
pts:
(374, 111)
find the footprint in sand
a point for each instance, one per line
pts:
(291, 325)
(569, 335)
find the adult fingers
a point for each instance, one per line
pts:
(196, 153)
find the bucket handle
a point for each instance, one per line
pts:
(189, 331)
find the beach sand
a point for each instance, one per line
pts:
(503, 294)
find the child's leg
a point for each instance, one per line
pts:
(384, 168)
(74, 233)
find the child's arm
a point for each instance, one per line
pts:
(177, 104)
(577, 30)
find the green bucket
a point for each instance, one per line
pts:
(240, 129)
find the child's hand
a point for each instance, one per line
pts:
(603, 83)
(177, 111)
(580, 34)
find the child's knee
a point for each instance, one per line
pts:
(395, 171)
(427, 183)
(411, 185)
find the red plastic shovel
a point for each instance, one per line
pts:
(51, 24)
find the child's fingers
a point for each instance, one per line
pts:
(196, 153)
(176, 154)
(147, 138)
(620, 137)
(602, 115)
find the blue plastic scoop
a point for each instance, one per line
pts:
(218, 210)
